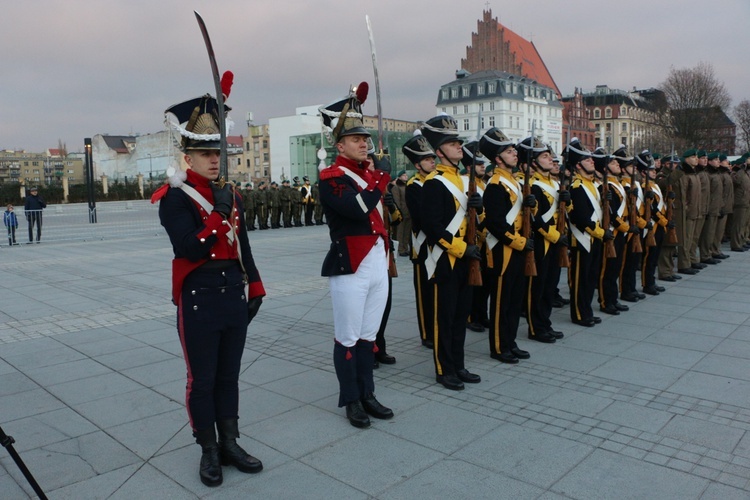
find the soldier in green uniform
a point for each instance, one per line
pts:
(274, 205)
(285, 197)
(261, 205)
(318, 208)
(248, 198)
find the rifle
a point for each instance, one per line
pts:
(635, 239)
(672, 231)
(475, 272)
(650, 240)
(383, 161)
(609, 246)
(562, 213)
(530, 268)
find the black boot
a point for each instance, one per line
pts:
(231, 452)
(210, 469)
(345, 362)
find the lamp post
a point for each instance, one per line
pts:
(150, 173)
(90, 180)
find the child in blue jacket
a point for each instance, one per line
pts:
(11, 223)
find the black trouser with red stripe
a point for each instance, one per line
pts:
(212, 324)
(506, 300)
(452, 299)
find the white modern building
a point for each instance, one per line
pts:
(512, 103)
(293, 150)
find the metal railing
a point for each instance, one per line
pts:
(114, 219)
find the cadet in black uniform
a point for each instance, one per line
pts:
(506, 247)
(420, 153)
(585, 215)
(444, 198)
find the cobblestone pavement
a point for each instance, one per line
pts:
(654, 403)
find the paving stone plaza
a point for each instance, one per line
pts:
(654, 403)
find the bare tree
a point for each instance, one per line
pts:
(742, 117)
(694, 96)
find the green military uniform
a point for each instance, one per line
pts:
(274, 205)
(248, 199)
(261, 206)
(318, 210)
(285, 197)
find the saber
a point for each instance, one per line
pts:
(380, 152)
(223, 174)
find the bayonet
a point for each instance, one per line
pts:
(221, 118)
(380, 152)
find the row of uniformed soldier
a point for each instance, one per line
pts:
(282, 206)
(644, 207)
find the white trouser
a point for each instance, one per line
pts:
(359, 299)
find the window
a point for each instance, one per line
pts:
(265, 144)
(518, 122)
(608, 113)
(71, 171)
(454, 93)
(481, 106)
(466, 124)
(596, 126)
(624, 127)
(481, 122)
(466, 109)
(256, 147)
(247, 146)
(444, 94)
(491, 88)
(609, 127)
(455, 110)
(492, 106)
(492, 121)
(444, 110)
(248, 163)
(465, 92)
(480, 89)
(623, 110)
(624, 141)
(257, 161)
(597, 114)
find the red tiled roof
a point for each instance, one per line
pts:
(234, 140)
(532, 65)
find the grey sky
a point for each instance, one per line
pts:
(75, 68)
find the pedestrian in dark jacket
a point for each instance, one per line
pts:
(33, 209)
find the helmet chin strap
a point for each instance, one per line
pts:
(440, 148)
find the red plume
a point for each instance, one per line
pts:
(227, 79)
(362, 90)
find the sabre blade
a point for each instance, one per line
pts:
(377, 84)
(219, 97)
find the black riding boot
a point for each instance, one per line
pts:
(210, 469)
(232, 453)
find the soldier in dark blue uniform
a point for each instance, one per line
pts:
(357, 262)
(215, 286)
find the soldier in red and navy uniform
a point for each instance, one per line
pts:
(357, 261)
(215, 286)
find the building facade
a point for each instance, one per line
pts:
(632, 118)
(512, 103)
(45, 169)
(577, 123)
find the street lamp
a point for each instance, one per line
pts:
(90, 179)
